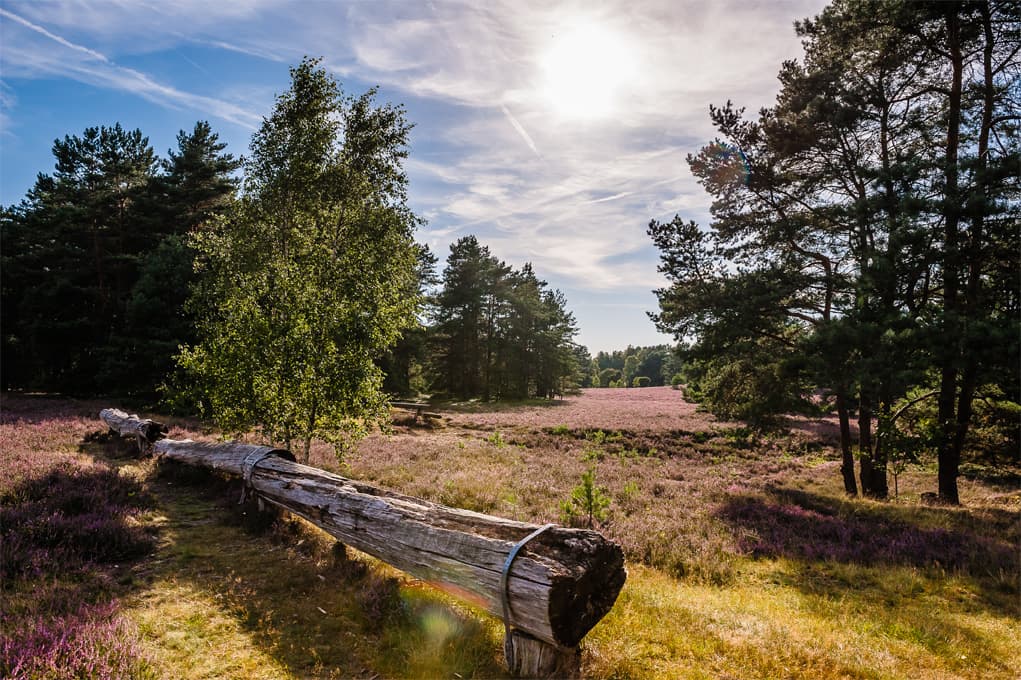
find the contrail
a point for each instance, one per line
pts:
(117, 77)
(66, 43)
(610, 198)
(521, 130)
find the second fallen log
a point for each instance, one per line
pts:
(559, 586)
(144, 430)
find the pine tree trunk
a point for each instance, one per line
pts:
(948, 457)
(847, 454)
(865, 445)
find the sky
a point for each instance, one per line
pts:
(554, 132)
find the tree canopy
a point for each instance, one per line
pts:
(95, 269)
(858, 224)
(497, 332)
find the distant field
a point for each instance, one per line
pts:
(745, 559)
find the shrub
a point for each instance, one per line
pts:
(750, 390)
(641, 381)
(381, 602)
(608, 376)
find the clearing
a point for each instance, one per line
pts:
(745, 559)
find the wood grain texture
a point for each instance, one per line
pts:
(537, 659)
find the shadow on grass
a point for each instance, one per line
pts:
(812, 528)
(296, 594)
(912, 607)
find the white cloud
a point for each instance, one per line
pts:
(7, 103)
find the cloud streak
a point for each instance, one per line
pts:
(52, 36)
(520, 130)
(27, 57)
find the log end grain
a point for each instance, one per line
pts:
(582, 595)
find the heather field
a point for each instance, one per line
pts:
(744, 558)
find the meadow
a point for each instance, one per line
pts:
(745, 559)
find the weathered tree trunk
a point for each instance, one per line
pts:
(559, 586)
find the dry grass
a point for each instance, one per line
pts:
(737, 544)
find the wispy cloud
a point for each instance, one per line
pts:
(260, 53)
(24, 57)
(622, 194)
(7, 102)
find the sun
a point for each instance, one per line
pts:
(584, 71)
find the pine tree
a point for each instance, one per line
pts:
(847, 217)
(72, 250)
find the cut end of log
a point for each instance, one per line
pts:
(581, 597)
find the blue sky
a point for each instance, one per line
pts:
(552, 131)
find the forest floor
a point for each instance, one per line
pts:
(745, 559)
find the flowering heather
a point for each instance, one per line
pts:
(646, 408)
(92, 641)
(65, 520)
(788, 530)
(72, 517)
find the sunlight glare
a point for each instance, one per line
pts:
(585, 70)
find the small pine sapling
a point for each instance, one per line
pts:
(587, 501)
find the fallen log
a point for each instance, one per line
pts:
(146, 430)
(558, 585)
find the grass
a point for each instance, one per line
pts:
(788, 619)
(238, 593)
(745, 560)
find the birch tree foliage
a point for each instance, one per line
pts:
(308, 278)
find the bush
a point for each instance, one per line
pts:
(641, 381)
(677, 380)
(755, 391)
